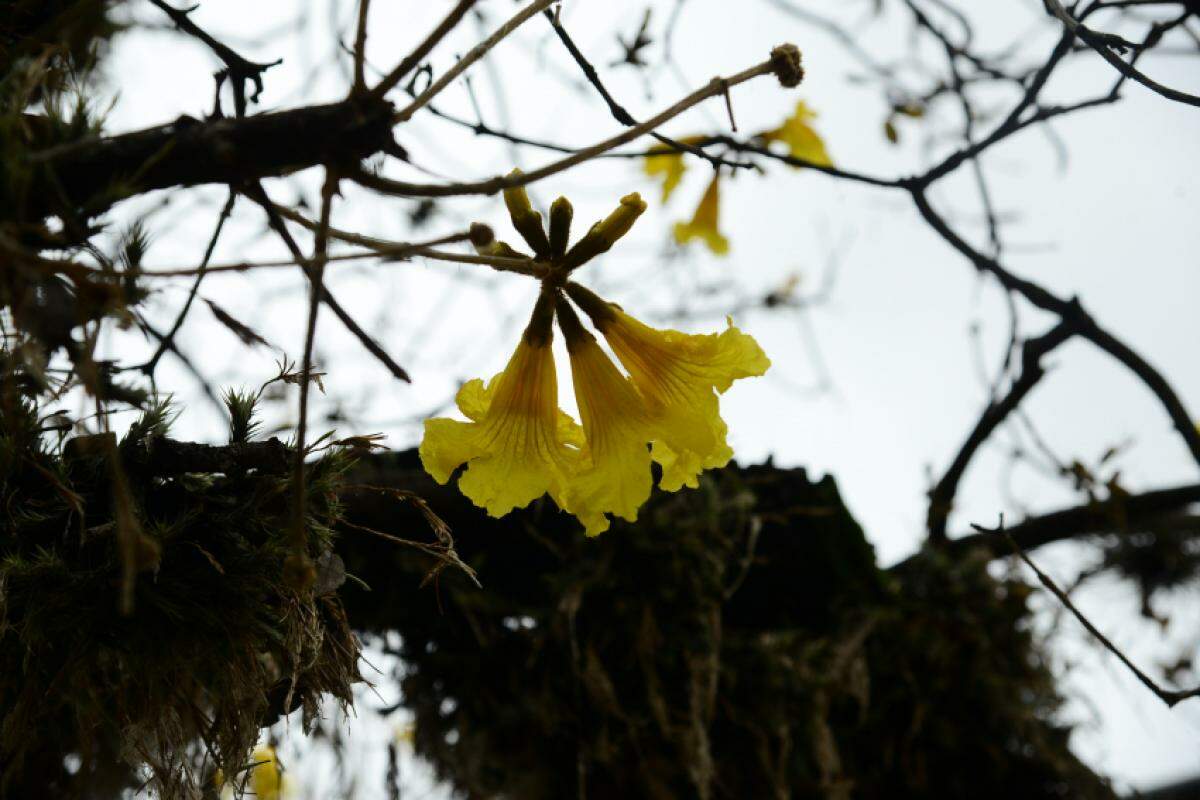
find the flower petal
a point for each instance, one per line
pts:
(474, 398)
(447, 445)
(616, 478)
(678, 376)
(705, 221)
(801, 138)
(666, 161)
(669, 165)
(516, 444)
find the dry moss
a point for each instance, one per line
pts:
(218, 642)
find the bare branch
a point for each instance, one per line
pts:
(716, 86)
(941, 497)
(410, 62)
(474, 54)
(1169, 696)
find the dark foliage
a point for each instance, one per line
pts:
(147, 615)
(738, 642)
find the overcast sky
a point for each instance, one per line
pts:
(876, 386)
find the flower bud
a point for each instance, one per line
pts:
(561, 213)
(527, 221)
(605, 233)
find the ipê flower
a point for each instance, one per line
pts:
(517, 445)
(678, 377)
(704, 222)
(801, 138)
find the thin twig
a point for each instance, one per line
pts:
(316, 269)
(239, 70)
(1169, 696)
(941, 497)
(618, 111)
(1085, 326)
(1102, 44)
(256, 193)
(492, 185)
(360, 47)
(169, 338)
(379, 249)
(410, 62)
(474, 54)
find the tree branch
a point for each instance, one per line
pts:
(492, 185)
(238, 70)
(1169, 696)
(941, 497)
(1116, 514)
(94, 174)
(1084, 325)
(1102, 44)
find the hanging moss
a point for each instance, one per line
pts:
(149, 626)
(737, 642)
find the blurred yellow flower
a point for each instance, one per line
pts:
(704, 222)
(666, 162)
(518, 445)
(802, 140)
(615, 477)
(678, 377)
(266, 777)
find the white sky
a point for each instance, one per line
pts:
(1116, 225)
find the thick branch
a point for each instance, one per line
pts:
(97, 173)
(1114, 514)
(163, 457)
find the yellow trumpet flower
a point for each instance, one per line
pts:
(704, 222)
(801, 138)
(678, 377)
(616, 476)
(517, 445)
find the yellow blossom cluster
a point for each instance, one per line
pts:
(517, 445)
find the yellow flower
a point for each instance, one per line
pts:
(616, 476)
(802, 140)
(518, 445)
(664, 160)
(676, 374)
(266, 778)
(704, 222)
